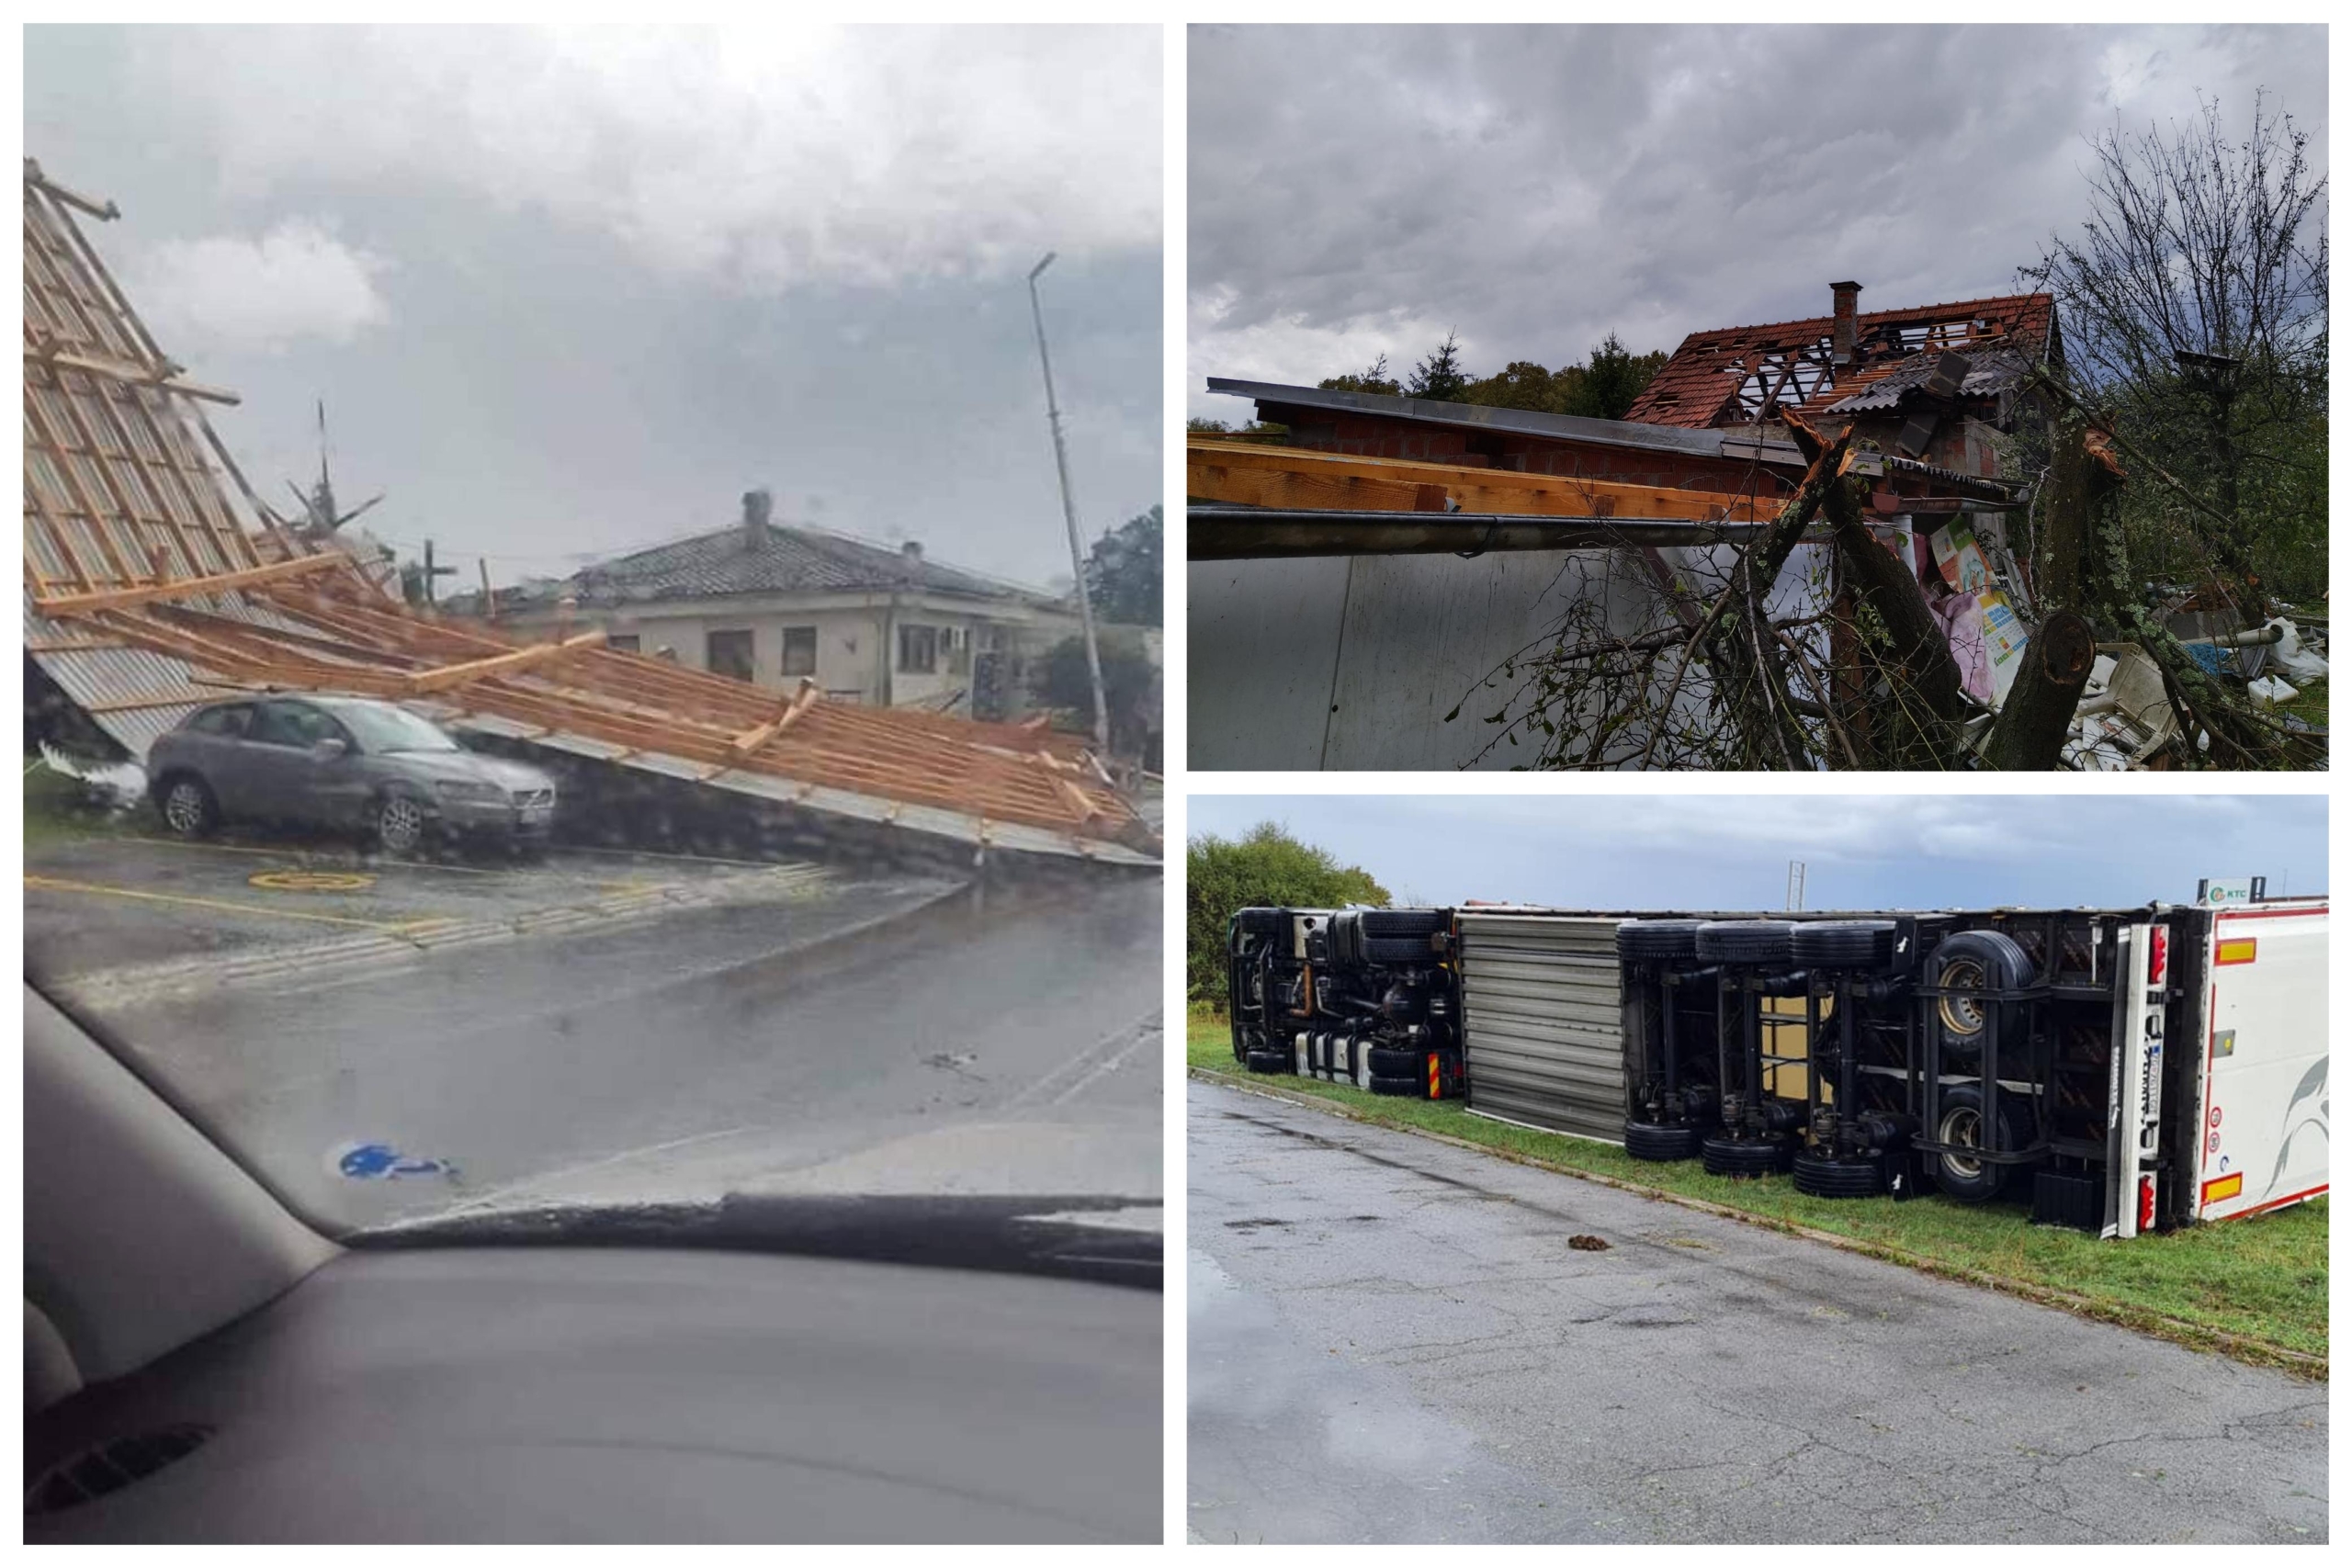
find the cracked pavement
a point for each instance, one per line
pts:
(1391, 1339)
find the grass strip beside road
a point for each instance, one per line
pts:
(2255, 1290)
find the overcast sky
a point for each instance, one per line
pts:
(573, 293)
(1725, 852)
(1356, 190)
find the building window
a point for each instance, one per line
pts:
(799, 651)
(918, 650)
(959, 650)
(728, 653)
(621, 642)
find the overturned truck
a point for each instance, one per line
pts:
(2118, 1070)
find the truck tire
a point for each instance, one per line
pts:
(1843, 944)
(1821, 1176)
(1386, 1063)
(1659, 941)
(1395, 948)
(1657, 1141)
(1746, 1157)
(1402, 923)
(1760, 944)
(1984, 960)
(1959, 1118)
(1267, 1062)
(1403, 1089)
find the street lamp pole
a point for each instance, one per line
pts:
(1070, 517)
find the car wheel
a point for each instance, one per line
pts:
(401, 824)
(1959, 1118)
(188, 808)
(1660, 1141)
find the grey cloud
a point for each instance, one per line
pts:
(1353, 189)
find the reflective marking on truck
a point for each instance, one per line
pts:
(2222, 1187)
(2238, 950)
(1433, 1094)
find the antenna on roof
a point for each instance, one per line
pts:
(319, 515)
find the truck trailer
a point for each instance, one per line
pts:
(2119, 1070)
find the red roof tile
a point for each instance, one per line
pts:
(1735, 375)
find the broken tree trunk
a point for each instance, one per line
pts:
(2035, 719)
(2030, 733)
(1915, 726)
(1734, 638)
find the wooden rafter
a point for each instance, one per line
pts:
(448, 675)
(751, 740)
(1252, 475)
(186, 587)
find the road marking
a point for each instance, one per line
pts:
(310, 881)
(59, 885)
(301, 854)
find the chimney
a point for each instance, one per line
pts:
(756, 506)
(912, 553)
(1841, 329)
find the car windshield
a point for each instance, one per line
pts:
(720, 822)
(381, 728)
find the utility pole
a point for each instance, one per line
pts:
(1796, 884)
(1070, 516)
(432, 571)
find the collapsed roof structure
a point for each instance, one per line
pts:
(155, 581)
(1748, 477)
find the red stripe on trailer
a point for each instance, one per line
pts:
(2279, 1202)
(2220, 915)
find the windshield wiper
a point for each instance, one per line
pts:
(1087, 1236)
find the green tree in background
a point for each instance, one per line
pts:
(1130, 689)
(1264, 867)
(1612, 378)
(1123, 571)
(1373, 377)
(1440, 378)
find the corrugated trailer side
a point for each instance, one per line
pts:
(1543, 1021)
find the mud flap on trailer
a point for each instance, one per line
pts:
(2135, 1085)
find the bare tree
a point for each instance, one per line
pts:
(2194, 306)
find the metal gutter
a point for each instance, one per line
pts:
(1739, 446)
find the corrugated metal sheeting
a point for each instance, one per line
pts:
(1543, 1021)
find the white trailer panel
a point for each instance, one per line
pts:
(2265, 1102)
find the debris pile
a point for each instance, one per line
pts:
(157, 580)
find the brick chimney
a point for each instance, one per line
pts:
(757, 504)
(1841, 329)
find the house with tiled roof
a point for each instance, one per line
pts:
(773, 604)
(1931, 382)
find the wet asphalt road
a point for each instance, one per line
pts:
(517, 1059)
(1391, 1339)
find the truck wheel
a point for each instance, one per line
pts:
(1959, 1118)
(189, 808)
(1403, 1089)
(1659, 941)
(1746, 1157)
(1977, 961)
(1388, 1064)
(1820, 1176)
(1843, 944)
(1658, 1141)
(1267, 1062)
(1395, 948)
(1402, 923)
(1764, 944)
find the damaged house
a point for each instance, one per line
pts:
(775, 604)
(1391, 582)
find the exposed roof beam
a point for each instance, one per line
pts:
(522, 659)
(187, 587)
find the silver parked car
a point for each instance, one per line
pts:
(342, 764)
